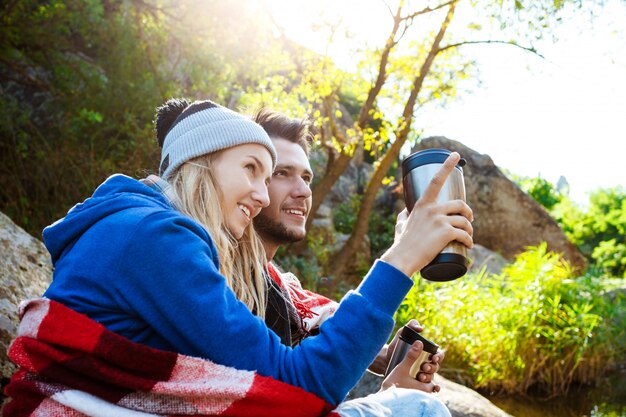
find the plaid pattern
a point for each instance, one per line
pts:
(72, 366)
(313, 308)
(164, 188)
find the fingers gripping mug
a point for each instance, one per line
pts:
(417, 171)
(406, 339)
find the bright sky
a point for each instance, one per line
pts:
(562, 116)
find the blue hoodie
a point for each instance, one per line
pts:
(130, 261)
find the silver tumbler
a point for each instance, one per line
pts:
(407, 337)
(417, 171)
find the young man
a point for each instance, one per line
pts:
(282, 222)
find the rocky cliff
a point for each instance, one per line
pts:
(25, 272)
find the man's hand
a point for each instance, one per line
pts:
(400, 377)
(427, 370)
(379, 366)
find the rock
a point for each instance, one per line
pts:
(353, 181)
(25, 272)
(361, 262)
(481, 257)
(324, 219)
(460, 400)
(506, 220)
(464, 402)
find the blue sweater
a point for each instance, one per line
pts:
(128, 260)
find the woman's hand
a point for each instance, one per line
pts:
(430, 226)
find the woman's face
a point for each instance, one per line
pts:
(242, 174)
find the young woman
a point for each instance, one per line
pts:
(173, 263)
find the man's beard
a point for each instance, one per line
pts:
(275, 231)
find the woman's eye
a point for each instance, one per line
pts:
(280, 173)
(250, 167)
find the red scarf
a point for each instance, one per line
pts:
(312, 308)
(71, 365)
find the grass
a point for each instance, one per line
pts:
(534, 328)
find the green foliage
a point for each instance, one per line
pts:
(344, 214)
(381, 223)
(533, 327)
(611, 256)
(541, 190)
(308, 269)
(381, 230)
(81, 80)
(598, 230)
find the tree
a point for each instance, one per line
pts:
(77, 83)
(598, 230)
(541, 190)
(413, 69)
(80, 81)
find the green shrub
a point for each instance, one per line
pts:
(381, 231)
(534, 327)
(541, 190)
(381, 226)
(308, 266)
(598, 230)
(344, 214)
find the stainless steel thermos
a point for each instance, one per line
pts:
(407, 337)
(417, 171)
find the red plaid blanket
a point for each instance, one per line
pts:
(72, 366)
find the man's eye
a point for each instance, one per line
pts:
(280, 173)
(307, 179)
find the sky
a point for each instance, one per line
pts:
(563, 115)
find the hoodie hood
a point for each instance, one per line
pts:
(116, 194)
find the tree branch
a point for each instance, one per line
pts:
(525, 48)
(429, 9)
(341, 259)
(406, 27)
(382, 70)
(388, 8)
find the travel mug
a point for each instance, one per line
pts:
(417, 171)
(407, 337)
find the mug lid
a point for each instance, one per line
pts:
(428, 156)
(409, 335)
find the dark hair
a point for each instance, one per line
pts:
(277, 125)
(166, 115)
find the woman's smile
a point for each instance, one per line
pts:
(242, 174)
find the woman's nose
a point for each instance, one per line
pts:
(261, 195)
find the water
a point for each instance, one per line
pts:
(607, 399)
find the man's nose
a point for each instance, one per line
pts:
(303, 189)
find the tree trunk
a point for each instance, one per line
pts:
(341, 259)
(341, 163)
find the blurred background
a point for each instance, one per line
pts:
(533, 91)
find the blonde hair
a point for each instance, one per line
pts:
(241, 261)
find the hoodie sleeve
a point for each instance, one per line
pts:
(171, 279)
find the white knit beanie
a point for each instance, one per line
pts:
(205, 127)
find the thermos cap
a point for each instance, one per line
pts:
(428, 156)
(409, 336)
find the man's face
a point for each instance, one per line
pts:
(283, 221)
